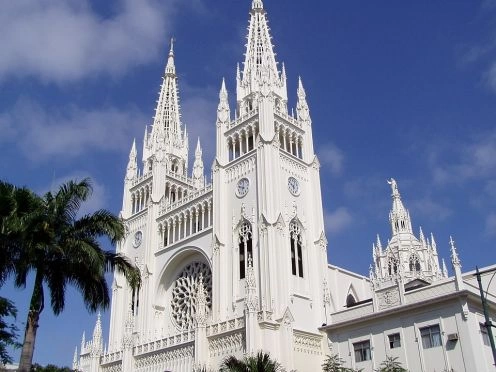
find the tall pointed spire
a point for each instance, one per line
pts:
(399, 216)
(167, 117)
(260, 73)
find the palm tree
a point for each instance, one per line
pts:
(16, 204)
(259, 363)
(391, 365)
(60, 248)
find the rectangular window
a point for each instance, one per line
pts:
(362, 351)
(394, 341)
(485, 335)
(431, 336)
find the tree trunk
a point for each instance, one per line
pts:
(35, 309)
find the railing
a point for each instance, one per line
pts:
(227, 326)
(188, 181)
(162, 343)
(288, 118)
(243, 118)
(141, 178)
(113, 357)
(192, 195)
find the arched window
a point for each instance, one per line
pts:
(295, 241)
(135, 300)
(414, 263)
(392, 266)
(350, 300)
(245, 247)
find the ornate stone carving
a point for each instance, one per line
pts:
(388, 298)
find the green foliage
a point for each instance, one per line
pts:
(334, 363)
(49, 368)
(8, 331)
(391, 365)
(45, 235)
(259, 363)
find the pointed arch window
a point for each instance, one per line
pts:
(295, 241)
(245, 246)
(350, 300)
(392, 266)
(414, 263)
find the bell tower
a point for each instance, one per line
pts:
(270, 253)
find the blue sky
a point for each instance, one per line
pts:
(396, 89)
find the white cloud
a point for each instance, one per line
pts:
(41, 133)
(331, 157)
(491, 224)
(66, 40)
(430, 208)
(490, 77)
(338, 220)
(464, 161)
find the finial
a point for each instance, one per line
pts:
(301, 90)
(394, 187)
(455, 260)
(379, 244)
(171, 68)
(433, 243)
(198, 150)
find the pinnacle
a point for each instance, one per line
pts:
(171, 68)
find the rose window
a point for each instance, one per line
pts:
(184, 293)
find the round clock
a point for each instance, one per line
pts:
(138, 237)
(293, 186)
(242, 187)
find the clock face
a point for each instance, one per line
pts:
(293, 186)
(138, 237)
(242, 187)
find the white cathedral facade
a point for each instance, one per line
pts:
(240, 264)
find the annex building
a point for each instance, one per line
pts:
(240, 265)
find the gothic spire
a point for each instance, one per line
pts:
(223, 112)
(302, 109)
(167, 116)
(260, 66)
(399, 216)
(455, 260)
(198, 169)
(132, 165)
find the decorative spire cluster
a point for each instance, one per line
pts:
(405, 254)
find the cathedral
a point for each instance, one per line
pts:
(239, 265)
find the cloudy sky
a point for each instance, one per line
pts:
(403, 89)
